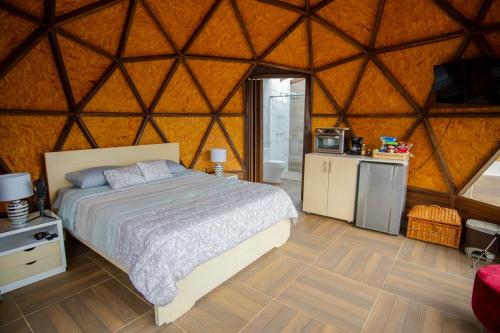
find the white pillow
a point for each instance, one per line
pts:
(124, 177)
(154, 170)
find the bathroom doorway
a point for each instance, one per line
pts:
(279, 131)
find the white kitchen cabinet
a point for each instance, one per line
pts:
(330, 184)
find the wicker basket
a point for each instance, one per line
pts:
(390, 156)
(434, 224)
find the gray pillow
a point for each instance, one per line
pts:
(175, 167)
(154, 170)
(91, 177)
(124, 177)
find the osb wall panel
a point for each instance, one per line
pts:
(414, 67)
(339, 80)
(76, 140)
(424, 169)
(462, 154)
(102, 28)
(124, 130)
(328, 47)
(494, 40)
(376, 94)
(359, 26)
(33, 83)
(222, 36)
(292, 51)
(320, 102)
(236, 103)
(216, 140)
(150, 135)
(257, 17)
(115, 96)
(187, 131)
(181, 95)
(13, 30)
(417, 18)
(218, 78)
(81, 78)
(25, 139)
(471, 51)
(145, 37)
(148, 76)
(180, 17)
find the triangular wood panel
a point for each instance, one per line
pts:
(469, 8)
(235, 105)
(187, 131)
(33, 83)
(424, 170)
(32, 136)
(65, 6)
(235, 127)
(257, 16)
(354, 17)
(150, 135)
(216, 139)
(181, 95)
(471, 51)
(494, 40)
(328, 46)
(76, 140)
(84, 66)
(13, 31)
(417, 18)
(180, 18)
(124, 130)
(461, 154)
(371, 134)
(340, 80)
(114, 96)
(376, 94)
(320, 102)
(33, 7)
(218, 78)
(493, 14)
(102, 28)
(145, 37)
(293, 50)
(222, 36)
(413, 67)
(148, 76)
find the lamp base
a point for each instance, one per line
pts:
(17, 211)
(218, 169)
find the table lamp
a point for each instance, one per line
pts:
(218, 156)
(13, 188)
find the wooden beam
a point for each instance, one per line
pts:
(21, 13)
(199, 86)
(366, 115)
(4, 168)
(319, 6)
(202, 143)
(86, 133)
(150, 58)
(133, 88)
(61, 70)
(282, 37)
(21, 50)
(201, 26)
(218, 58)
(310, 55)
(163, 85)
(355, 86)
(158, 130)
(452, 12)
(129, 19)
(230, 142)
(98, 85)
(483, 45)
(336, 105)
(376, 25)
(338, 62)
(140, 131)
(285, 5)
(492, 156)
(163, 30)
(419, 42)
(285, 67)
(243, 28)
(86, 44)
(235, 89)
(340, 33)
(49, 11)
(22, 112)
(480, 114)
(409, 133)
(84, 11)
(63, 136)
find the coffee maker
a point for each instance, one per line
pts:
(356, 145)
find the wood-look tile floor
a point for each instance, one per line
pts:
(329, 277)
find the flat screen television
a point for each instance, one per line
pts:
(472, 81)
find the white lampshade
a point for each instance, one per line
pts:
(15, 186)
(218, 155)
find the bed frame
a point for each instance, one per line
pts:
(205, 277)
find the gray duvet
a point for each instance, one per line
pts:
(162, 231)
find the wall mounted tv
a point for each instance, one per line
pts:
(472, 81)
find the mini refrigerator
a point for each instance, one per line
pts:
(381, 196)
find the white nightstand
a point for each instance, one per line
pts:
(23, 258)
(230, 175)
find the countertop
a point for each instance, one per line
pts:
(363, 158)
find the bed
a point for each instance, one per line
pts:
(204, 276)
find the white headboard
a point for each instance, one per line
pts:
(58, 164)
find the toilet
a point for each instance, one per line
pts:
(273, 170)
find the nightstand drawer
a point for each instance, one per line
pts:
(29, 269)
(22, 257)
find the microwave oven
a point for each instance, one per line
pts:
(334, 140)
